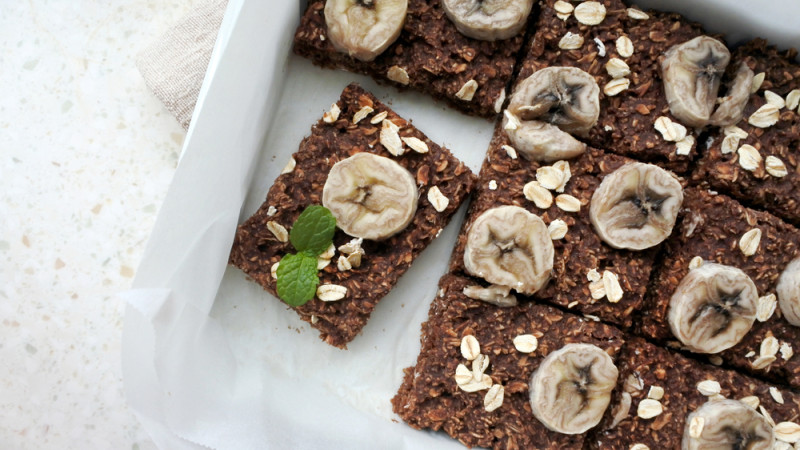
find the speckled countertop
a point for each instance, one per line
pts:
(86, 156)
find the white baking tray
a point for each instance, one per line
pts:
(212, 360)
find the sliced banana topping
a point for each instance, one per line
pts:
(692, 72)
(508, 246)
(364, 28)
(713, 308)
(727, 424)
(636, 206)
(788, 291)
(371, 196)
(566, 97)
(571, 388)
(550, 105)
(731, 107)
(488, 20)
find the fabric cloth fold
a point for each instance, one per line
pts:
(174, 66)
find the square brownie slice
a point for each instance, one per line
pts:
(443, 183)
(673, 381)
(761, 166)
(430, 397)
(711, 228)
(430, 56)
(635, 41)
(503, 178)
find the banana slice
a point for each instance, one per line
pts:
(371, 196)
(727, 424)
(566, 97)
(488, 20)
(788, 291)
(571, 388)
(508, 246)
(713, 308)
(731, 107)
(364, 28)
(692, 72)
(547, 107)
(636, 206)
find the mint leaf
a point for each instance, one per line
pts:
(297, 278)
(313, 230)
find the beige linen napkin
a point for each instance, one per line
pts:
(173, 67)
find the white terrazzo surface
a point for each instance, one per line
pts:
(86, 156)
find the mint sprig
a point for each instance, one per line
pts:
(311, 234)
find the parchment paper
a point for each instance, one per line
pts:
(209, 358)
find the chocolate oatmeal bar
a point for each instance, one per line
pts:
(629, 44)
(711, 229)
(430, 56)
(761, 166)
(502, 182)
(672, 380)
(443, 182)
(430, 397)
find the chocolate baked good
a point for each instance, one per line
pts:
(431, 397)
(717, 229)
(430, 56)
(443, 183)
(757, 162)
(578, 250)
(659, 388)
(622, 53)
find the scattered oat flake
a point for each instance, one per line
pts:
(475, 386)
(590, 13)
(649, 408)
(617, 68)
(479, 366)
(695, 262)
(493, 398)
(314, 319)
(416, 144)
(568, 203)
(329, 252)
(776, 394)
(390, 139)
(362, 113)
(786, 351)
(765, 307)
(750, 354)
(655, 392)
(398, 74)
(332, 115)
(715, 360)
(624, 46)
(470, 348)
(557, 229)
(597, 289)
(378, 118)
(758, 79)
(765, 117)
(787, 432)
(278, 230)
(616, 86)
(637, 14)
(437, 199)
(749, 242)
(601, 48)
(526, 343)
(696, 426)
(492, 185)
(322, 263)
(331, 292)
(540, 196)
(751, 401)
(510, 151)
(769, 346)
(775, 167)
(498, 104)
(793, 99)
(549, 177)
(749, 157)
(729, 144)
(708, 387)
(563, 7)
(463, 375)
(593, 275)
(289, 167)
(271, 211)
(611, 285)
(774, 99)
(762, 362)
(571, 41)
(467, 91)
(733, 130)
(274, 270)
(639, 446)
(766, 415)
(343, 264)
(670, 131)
